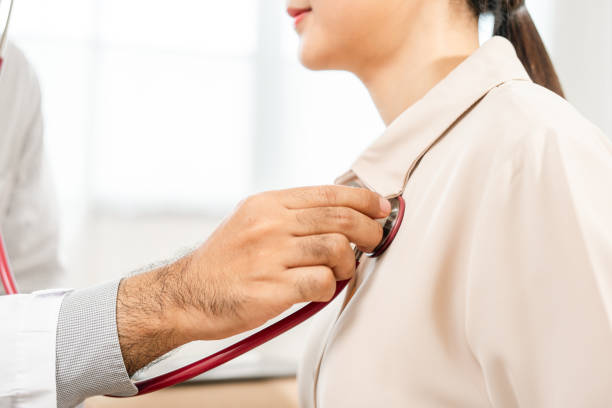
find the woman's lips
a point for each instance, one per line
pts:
(298, 14)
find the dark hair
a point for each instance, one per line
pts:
(513, 21)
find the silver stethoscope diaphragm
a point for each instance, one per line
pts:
(390, 225)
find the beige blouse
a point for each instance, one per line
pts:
(497, 291)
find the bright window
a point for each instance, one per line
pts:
(186, 105)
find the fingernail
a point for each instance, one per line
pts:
(385, 205)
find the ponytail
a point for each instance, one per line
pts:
(513, 21)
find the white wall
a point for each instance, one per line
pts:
(582, 51)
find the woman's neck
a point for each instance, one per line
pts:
(406, 76)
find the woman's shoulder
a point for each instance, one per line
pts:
(531, 108)
(525, 119)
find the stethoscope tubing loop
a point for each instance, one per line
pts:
(6, 276)
(266, 334)
(229, 353)
(249, 343)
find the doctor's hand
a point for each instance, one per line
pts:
(276, 249)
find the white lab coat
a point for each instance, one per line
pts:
(29, 225)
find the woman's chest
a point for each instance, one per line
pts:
(400, 340)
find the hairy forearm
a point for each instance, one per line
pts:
(166, 307)
(145, 313)
(276, 249)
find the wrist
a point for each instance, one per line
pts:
(144, 321)
(192, 305)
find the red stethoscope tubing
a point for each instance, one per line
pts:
(4, 37)
(8, 282)
(229, 353)
(264, 335)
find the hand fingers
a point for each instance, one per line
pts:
(312, 283)
(358, 228)
(365, 201)
(331, 250)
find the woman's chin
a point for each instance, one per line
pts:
(315, 59)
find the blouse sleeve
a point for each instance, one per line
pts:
(539, 301)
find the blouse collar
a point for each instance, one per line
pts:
(388, 162)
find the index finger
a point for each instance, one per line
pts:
(360, 199)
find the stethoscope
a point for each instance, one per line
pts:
(4, 38)
(390, 226)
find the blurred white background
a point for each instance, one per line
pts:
(161, 115)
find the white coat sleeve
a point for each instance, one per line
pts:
(539, 301)
(30, 221)
(28, 346)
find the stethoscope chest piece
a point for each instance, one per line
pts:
(391, 226)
